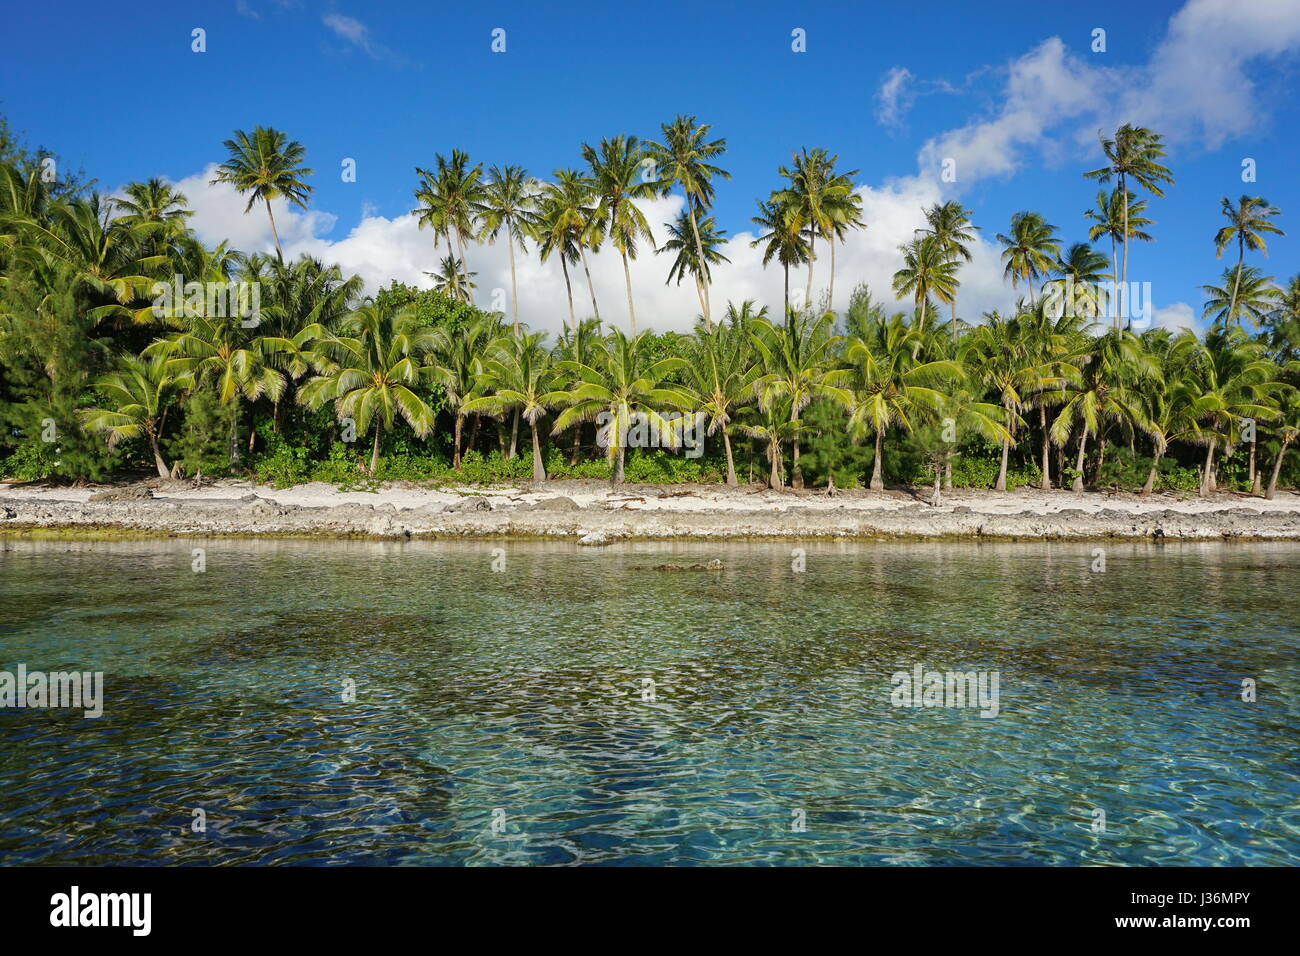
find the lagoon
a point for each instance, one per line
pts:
(384, 703)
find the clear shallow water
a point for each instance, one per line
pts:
(520, 693)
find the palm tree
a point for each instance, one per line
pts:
(1283, 323)
(458, 366)
(369, 371)
(558, 226)
(684, 159)
(1081, 269)
(722, 371)
(1108, 218)
(783, 241)
(927, 269)
(520, 376)
(621, 381)
(1002, 356)
(1030, 250)
(616, 180)
(843, 205)
(1288, 431)
(888, 383)
(578, 345)
(1233, 380)
(681, 241)
(266, 165)
(950, 225)
(817, 197)
(774, 426)
(795, 357)
(1103, 391)
(157, 202)
(1247, 223)
(1167, 399)
(450, 198)
(138, 395)
(1132, 155)
(1245, 291)
(453, 281)
(508, 202)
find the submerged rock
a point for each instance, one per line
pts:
(714, 565)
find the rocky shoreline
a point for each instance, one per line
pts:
(635, 514)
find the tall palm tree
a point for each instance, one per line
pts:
(508, 203)
(520, 376)
(266, 165)
(816, 196)
(369, 371)
(562, 214)
(1248, 221)
(685, 158)
(783, 241)
(1245, 292)
(1167, 399)
(928, 269)
(155, 201)
(137, 395)
(617, 182)
(681, 242)
(1132, 154)
(621, 381)
(578, 345)
(1108, 218)
(721, 373)
(843, 204)
(795, 357)
(1081, 269)
(889, 383)
(1030, 250)
(1283, 323)
(950, 225)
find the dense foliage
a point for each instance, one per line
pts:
(100, 374)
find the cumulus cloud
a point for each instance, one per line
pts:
(1176, 317)
(1052, 102)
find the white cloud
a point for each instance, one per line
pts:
(358, 34)
(893, 99)
(1176, 317)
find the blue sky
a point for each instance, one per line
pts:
(1011, 90)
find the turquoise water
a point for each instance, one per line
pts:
(500, 717)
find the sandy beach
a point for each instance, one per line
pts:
(594, 513)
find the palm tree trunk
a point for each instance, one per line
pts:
(631, 309)
(731, 463)
(1001, 484)
(159, 462)
(1207, 476)
(1151, 475)
(812, 254)
(774, 455)
(539, 469)
(947, 471)
(787, 291)
(831, 301)
(460, 241)
(1124, 193)
(1046, 482)
(1277, 468)
(234, 430)
(1236, 282)
(274, 232)
(374, 453)
(924, 301)
(514, 291)
(455, 448)
(699, 258)
(1114, 266)
(568, 287)
(699, 294)
(796, 476)
(514, 436)
(1255, 476)
(954, 318)
(877, 474)
(473, 434)
(620, 461)
(1077, 484)
(591, 286)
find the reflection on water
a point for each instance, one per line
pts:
(581, 707)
